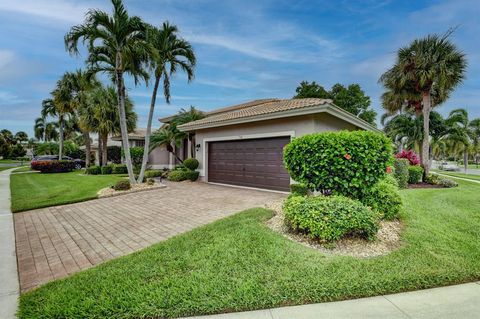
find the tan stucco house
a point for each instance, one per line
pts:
(243, 144)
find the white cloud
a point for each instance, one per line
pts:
(373, 67)
(59, 10)
(8, 98)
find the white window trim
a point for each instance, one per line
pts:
(204, 170)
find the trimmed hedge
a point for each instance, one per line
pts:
(191, 163)
(385, 199)
(299, 189)
(107, 169)
(178, 176)
(122, 186)
(345, 163)
(153, 173)
(415, 174)
(93, 170)
(401, 171)
(119, 169)
(53, 166)
(329, 218)
(435, 179)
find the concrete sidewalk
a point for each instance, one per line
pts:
(460, 301)
(9, 288)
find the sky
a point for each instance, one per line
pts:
(245, 49)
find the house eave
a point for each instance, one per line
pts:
(321, 108)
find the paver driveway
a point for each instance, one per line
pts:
(57, 241)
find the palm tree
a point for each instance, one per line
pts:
(116, 45)
(405, 130)
(428, 66)
(168, 136)
(39, 128)
(21, 137)
(186, 116)
(51, 132)
(459, 132)
(101, 116)
(474, 126)
(169, 52)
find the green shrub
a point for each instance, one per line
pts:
(107, 169)
(119, 169)
(63, 166)
(136, 153)
(299, 189)
(122, 185)
(401, 171)
(93, 170)
(329, 218)
(415, 174)
(191, 163)
(150, 181)
(153, 173)
(346, 163)
(178, 176)
(390, 179)
(435, 179)
(384, 199)
(114, 154)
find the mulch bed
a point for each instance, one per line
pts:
(424, 185)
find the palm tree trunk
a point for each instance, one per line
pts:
(104, 149)
(60, 144)
(88, 148)
(123, 120)
(146, 148)
(426, 132)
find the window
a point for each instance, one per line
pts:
(140, 143)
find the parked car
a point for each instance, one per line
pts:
(445, 166)
(79, 163)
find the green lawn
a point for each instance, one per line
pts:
(22, 169)
(457, 174)
(36, 190)
(239, 264)
(2, 168)
(11, 161)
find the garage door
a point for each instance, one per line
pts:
(253, 163)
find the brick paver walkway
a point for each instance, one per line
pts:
(57, 241)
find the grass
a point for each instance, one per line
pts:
(239, 264)
(36, 190)
(457, 174)
(3, 168)
(11, 161)
(22, 169)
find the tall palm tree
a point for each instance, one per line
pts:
(117, 45)
(428, 65)
(169, 137)
(51, 132)
(169, 52)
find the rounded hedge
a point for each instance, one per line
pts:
(415, 174)
(107, 169)
(93, 170)
(385, 199)
(63, 166)
(181, 175)
(191, 163)
(120, 169)
(401, 171)
(329, 218)
(345, 163)
(122, 185)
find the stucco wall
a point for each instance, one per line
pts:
(294, 126)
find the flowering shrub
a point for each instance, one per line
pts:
(342, 163)
(53, 166)
(410, 155)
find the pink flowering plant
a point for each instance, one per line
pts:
(410, 155)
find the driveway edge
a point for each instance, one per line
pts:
(9, 290)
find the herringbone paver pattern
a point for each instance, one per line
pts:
(57, 241)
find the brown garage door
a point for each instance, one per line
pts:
(253, 163)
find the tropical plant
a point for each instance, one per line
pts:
(116, 45)
(169, 52)
(169, 137)
(21, 137)
(186, 116)
(475, 136)
(427, 67)
(458, 133)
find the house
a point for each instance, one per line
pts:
(243, 144)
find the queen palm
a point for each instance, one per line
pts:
(459, 132)
(169, 137)
(474, 126)
(428, 65)
(169, 52)
(116, 45)
(39, 128)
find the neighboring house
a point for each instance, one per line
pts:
(243, 144)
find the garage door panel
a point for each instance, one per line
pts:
(254, 163)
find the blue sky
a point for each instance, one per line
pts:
(245, 49)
